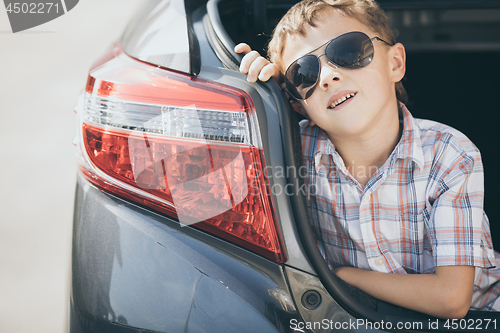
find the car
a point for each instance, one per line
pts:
(190, 212)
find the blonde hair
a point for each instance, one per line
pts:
(306, 13)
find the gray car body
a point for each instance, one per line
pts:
(134, 270)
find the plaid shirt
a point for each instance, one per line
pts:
(423, 208)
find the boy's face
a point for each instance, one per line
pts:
(374, 104)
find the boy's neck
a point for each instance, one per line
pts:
(363, 155)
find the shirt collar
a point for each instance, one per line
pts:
(409, 146)
(324, 146)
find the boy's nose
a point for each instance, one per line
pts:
(329, 73)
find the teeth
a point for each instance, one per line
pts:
(340, 100)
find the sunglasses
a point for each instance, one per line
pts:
(351, 50)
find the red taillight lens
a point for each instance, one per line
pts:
(183, 146)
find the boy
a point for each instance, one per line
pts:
(394, 194)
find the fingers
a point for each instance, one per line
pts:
(248, 60)
(249, 56)
(242, 48)
(256, 66)
(268, 71)
(258, 69)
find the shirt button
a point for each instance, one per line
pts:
(380, 261)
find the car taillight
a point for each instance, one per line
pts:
(183, 146)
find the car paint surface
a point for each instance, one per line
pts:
(139, 269)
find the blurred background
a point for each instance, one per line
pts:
(42, 72)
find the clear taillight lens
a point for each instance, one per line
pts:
(186, 147)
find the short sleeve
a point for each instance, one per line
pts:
(457, 228)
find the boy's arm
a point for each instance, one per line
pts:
(255, 65)
(446, 294)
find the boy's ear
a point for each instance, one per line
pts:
(297, 106)
(398, 62)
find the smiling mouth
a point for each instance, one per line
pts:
(341, 100)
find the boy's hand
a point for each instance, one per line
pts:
(260, 68)
(256, 66)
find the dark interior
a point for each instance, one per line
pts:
(452, 75)
(460, 89)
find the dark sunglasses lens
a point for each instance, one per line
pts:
(352, 50)
(301, 77)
